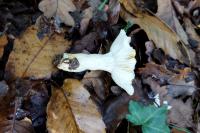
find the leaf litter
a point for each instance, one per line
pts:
(37, 97)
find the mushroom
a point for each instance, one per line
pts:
(120, 62)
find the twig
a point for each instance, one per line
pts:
(14, 117)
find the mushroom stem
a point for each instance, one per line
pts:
(96, 61)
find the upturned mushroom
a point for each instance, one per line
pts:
(120, 62)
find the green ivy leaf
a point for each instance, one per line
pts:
(152, 119)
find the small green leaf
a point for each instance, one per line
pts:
(151, 118)
(128, 25)
(101, 6)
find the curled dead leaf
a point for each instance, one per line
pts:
(59, 8)
(72, 110)
(163, 36)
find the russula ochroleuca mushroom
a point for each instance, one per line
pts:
(120, 62)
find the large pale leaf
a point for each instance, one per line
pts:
(152, 119)
(32, 57)
(163, 36)
(73, 112)
(59, 8)
(167, 14)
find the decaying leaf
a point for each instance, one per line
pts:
(33, 93)
(98, 80)
(72, 110)
(3, 89)
(87, 15)
(32, 57)
(58, 8)
(167, 14)
(193, 36)
(116, 108)
(164, 82)
(173, 88)
(158, 31)
(113, 11)
(22, 126)
(156, 71)
(89, 43)
(3, 42)
(181, 113)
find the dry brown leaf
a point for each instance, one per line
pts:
(4, 89)
(193, 36)
(32, 57)
(89, 42)
(58, 8)
(87, 15)
(3, 42)
(113, 11)
(158, 31)
(181, 113)
(100, 81)
(155, 70)
(73, 112)
(23, 126)
(167, 14)
(175, 84)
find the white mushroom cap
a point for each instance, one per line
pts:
(120, 62)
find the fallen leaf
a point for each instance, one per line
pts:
(87, 15)
(7, 49)
(35, 98)
(113, 11)
(58, 8)
(98, 80)
(192, 10)
(198, 128)
(156, 71)
(32, 57)
(11, 21)
(158, 56)
(194, 38)
(149, 45)
(156, 88)
(167, 14)
(158, 31)
(72, 110)
(179, 7)
(176, 86)
(89, 43)
(116, 90)
(151, 118)
(3, 42)
(174, 130)
(116, 108)
(4, 89)
(181, 113)
(22, 126)
(164, 82)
